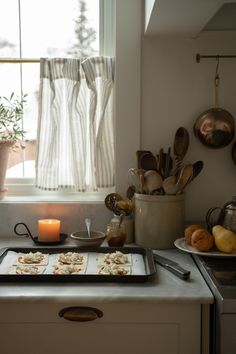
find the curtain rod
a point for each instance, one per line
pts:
(199, 57)
(19, 60)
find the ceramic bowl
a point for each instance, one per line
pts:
(82, 239)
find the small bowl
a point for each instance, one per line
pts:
(96, 238)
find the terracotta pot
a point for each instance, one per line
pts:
(5, 147)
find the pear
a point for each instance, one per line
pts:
(225, 240)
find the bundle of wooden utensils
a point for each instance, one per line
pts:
(163, 173)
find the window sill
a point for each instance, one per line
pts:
(56, 197)
(59, 200)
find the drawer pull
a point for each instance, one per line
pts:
(80, 314)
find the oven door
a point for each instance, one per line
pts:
(220, 275)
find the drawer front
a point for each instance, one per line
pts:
(110, 312)
(122, 328)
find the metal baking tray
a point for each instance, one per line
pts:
(149, 266)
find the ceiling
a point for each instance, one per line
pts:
(224, 19)
(188, 18)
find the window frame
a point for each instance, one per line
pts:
(125, 45)
(25, 187)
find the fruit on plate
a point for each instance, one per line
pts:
(189, 231)
(225, 240)
(202, 240)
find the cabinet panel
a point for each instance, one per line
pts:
(84, 338)
(124, 329)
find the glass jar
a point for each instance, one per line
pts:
(116, 234)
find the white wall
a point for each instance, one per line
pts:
(127, 88)
(72, 216)
(175, 90)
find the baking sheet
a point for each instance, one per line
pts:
(142, 269)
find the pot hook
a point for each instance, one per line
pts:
(217, 82)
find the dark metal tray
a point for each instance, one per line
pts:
(150, 269)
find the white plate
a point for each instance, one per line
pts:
(182, 245)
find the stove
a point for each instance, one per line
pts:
(220, 275)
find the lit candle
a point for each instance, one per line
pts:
(49, 230)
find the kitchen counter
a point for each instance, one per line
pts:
(141, 314)
(165, 288)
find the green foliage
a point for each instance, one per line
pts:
(11, 110)
(84, 35)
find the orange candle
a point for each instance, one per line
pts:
(49, 230)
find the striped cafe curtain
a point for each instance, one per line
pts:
(75, 138)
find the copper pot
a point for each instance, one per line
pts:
(215, 127)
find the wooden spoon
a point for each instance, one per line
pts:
(130, 192)
(139, 154)
(168, 163)
(197, 168)
(170, 186)
(181, 143)
(152, 181)
(148, 161)
(184, 177)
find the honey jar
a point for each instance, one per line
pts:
(116, 234)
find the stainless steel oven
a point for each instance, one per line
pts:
(220, 275)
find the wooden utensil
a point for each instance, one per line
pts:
(135, 178)
(170, 186)
(139, 154)
(161, 162)
(181, 143)
(130, 192)
(167, 163)
(197, 168)
(152, 181)
(185, 175)
(148, 161)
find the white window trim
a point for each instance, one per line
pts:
(123, 40)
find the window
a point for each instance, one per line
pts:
(30, 30)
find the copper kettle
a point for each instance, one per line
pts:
(225, 216)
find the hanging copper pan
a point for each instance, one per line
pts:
(215, 127)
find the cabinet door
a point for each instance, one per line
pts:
(83, 338)
(124, 328)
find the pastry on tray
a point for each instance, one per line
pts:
(69, 269)
(113, 269)
(26, 269)
(116, 257)
(69, 258)
(32, 258)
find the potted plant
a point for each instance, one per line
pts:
(11, 132)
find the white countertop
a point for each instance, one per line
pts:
(165, 288)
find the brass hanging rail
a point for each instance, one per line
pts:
(199, 57)
(19, 60)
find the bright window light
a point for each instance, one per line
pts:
(31, 30)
